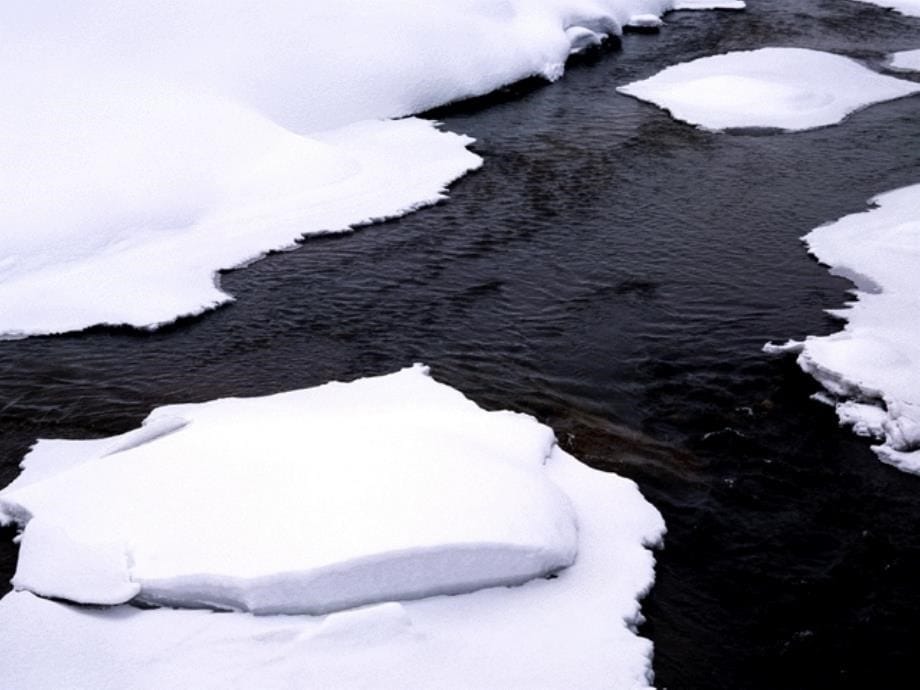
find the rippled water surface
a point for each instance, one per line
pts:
(614, 273)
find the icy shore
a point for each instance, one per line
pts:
(384, 494)
(872, 366)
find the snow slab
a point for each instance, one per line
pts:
(786, 88)
(908, 60)
(302, 502)
(489, 490)
(872, 366)
(145, 148)
(909, 7)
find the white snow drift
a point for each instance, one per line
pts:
(786, 88)
(380, 490)
(908, 60)
(872, 366)
(909, 7)
(146, 146)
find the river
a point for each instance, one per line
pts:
(614, 273)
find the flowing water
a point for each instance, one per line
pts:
(614, 273)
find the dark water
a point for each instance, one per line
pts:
(614, 273)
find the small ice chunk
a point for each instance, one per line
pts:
(908, 60)
(645, 21)
(786, 88)
(709, 5)
(790, 345)
(866, 420)
(824, 399)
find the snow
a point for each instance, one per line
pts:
(145, 148)
(906, 60)
(909, 7)
(645, 21)
(368, 458)
(709, 5)
(375, 476)
(51, 563)
(786, 88)
(872, 366)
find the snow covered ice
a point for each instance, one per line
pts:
(872, 366)
(381, 493)
(233, 507)
(786, 88)
(146, 146)
(908, 60)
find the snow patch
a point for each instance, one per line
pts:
(786, 88)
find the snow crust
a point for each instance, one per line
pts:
(489, 492)
(872, 366)
(146, 147)
(906, 60)
(911, 8)
(786, 88)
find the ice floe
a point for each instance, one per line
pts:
(908, 60)
(786, 88)
(872, 366)
(909, 7)
(146, 148)
(379, 493)
(301, 502)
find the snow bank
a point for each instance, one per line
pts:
(788, 88)
(375, 476)
(909, 7)
(147, 146)
(872, 366)
(906, 60)
(148, 252)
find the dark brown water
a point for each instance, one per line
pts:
(614, 273)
